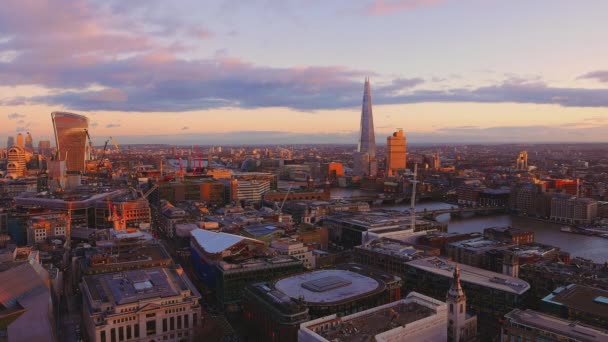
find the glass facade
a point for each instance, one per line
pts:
(71, 139)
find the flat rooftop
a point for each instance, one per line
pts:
(479, 245)
(394, 248)
(534, 319)
(581, 298)
(365, 327)
(470, 274)
(328, 286)
(132, 286)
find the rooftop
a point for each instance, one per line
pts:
(376, 322)
(328, 286)
(581, 298)
(217, 242)
(530, 318)
(470, 274)
(479, 245)
(132, 286)
(394, 248)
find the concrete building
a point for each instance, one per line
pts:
(414, 318)
(29, 142)
(251, 190)
(295, 248)
(16, 164)
(154, 304)
(569, 209)
(529, 325)
(580, 303)
(41, 227)
(71, 139)
(44, 147)
(395, 153)
(10, 141)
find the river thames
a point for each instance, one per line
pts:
(590, 247)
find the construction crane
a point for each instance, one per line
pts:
(181, 168)
(103, 154)
(90, 144)
(280, 216)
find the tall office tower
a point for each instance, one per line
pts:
(20, 141)
(29, 142)
(10, 142)
(436, 161)
(395, 152)
(71, 139)
(44, 147)
(522, 161)
(365, 163)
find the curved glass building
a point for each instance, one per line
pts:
(71, 139)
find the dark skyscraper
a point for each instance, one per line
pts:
(365, 163)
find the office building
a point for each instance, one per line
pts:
(29, 142)
(10, 141)
(20, 140)
(529, 325)
(365, 163)
(521, 164)
(41, 227)
(16, 164)
(44, 148)
(414, 318)
(395, 153)
(251, 190)
(152, 304)
(588, 305)
(566, 208)
(71, 139)
(227, 263)
(295, 248)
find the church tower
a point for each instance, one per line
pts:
(457, 310)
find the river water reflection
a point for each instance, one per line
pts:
(590, 247)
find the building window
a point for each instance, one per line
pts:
(451, 308)
(186, 321)
(128, 332)
(136, 330)
(150, 328)
(179, 322)
(113, 335)
(172, 323)
(461, 308)
(102, 336)
(194, 319)
(164, 325)
(121, 333)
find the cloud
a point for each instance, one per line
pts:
(387, 7)
(598, 75)
(14, 116)
(201, 33)
(185, 128)
(112, 125)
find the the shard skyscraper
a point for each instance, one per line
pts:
(365, 163)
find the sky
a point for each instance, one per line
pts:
(292, 71)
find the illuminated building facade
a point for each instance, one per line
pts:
(71, 139)
(395, 152)
(365, 163)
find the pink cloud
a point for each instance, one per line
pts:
(386, 7)
(201, 33)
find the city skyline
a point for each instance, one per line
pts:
(445, 71)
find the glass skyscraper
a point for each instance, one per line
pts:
(71, 139)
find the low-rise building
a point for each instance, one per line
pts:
(296, 249)
(414, 318)
(529, 325)
(153, 304)
(580, 303)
